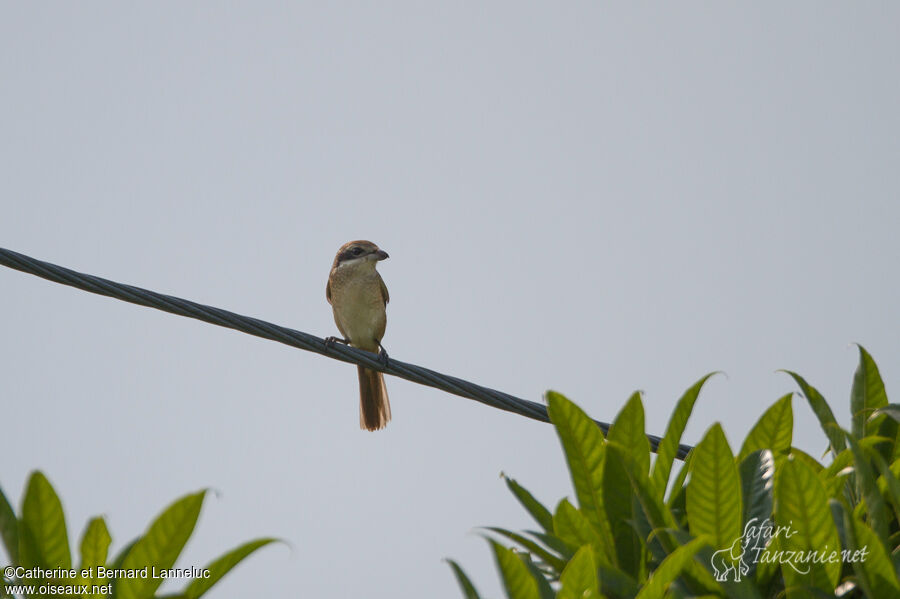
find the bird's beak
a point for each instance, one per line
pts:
(381, 255)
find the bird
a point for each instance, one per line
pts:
(358, 298)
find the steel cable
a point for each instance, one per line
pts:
(292, 337)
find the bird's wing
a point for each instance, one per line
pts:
(384, 292)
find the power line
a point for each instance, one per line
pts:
(294, 338)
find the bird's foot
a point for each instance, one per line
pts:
(330, 341)
(382, 355)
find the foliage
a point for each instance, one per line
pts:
(37, 543)
(771, 521)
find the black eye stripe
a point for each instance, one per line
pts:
(350, 254)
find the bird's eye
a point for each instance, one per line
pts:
(357, 251)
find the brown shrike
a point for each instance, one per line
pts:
(358, 297)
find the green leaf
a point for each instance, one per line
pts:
(94, 547)
(123, 553)
(867, 394)
(841, 461)
(9, 529)
(628, 432)
(823, 413)
(654, 509)
(676, 494)
(802, 508)
(554, 561)
(671, 568)
(865, 480)
(772, 431)
(890, 410)
(517, 580)
(117, 565)
(870, 561)
(572, 526)
(553, 542)
(43, 540)
(614, 582)
(649, 540)
(534, 507)
(665, 453)
(714, 492)
(465, 585)
(889, 484)
(583, 444)
(757, 472)
(222, 565)
(888, 417)
(160, 546)
(837, 516)
(544, 588)
(579, 579)
(697, 577)
(802, 456)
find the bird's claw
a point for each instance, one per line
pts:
(330, 341)
(382, 356)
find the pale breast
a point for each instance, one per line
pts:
(359, 309)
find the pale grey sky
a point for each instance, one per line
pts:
(589, 197)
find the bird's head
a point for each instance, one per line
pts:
(354, 253)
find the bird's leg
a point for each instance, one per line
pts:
(382, 354)
(330, 341)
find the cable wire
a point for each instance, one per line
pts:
(294, 338)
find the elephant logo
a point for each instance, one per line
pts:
(731, 560)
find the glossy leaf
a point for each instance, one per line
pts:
(615, 583)
(465, 585)
(160, 546)
(579, 579)
(890, 410)
(866, 395)
(583, 444)
(94, 551)
(537, 550)
(889, 483)
(543, 585)
(665, 453)
(802, 508)
(553, 542)
(222, 565)
(117, 564)
(865, 480)
(823, 412)
(534, 507)
(676, 494)
(870, 561)
(572, 526)
(43, 527)
(774, 429)
(802, 456)
(757, 473)
(628, 432)
(889, 417)
(517, 580)
(697, 576)
(671, 568)
(654, 509)
(714, 492)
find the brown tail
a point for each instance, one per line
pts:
(374, 407)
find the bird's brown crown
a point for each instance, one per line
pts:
(355, 250)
